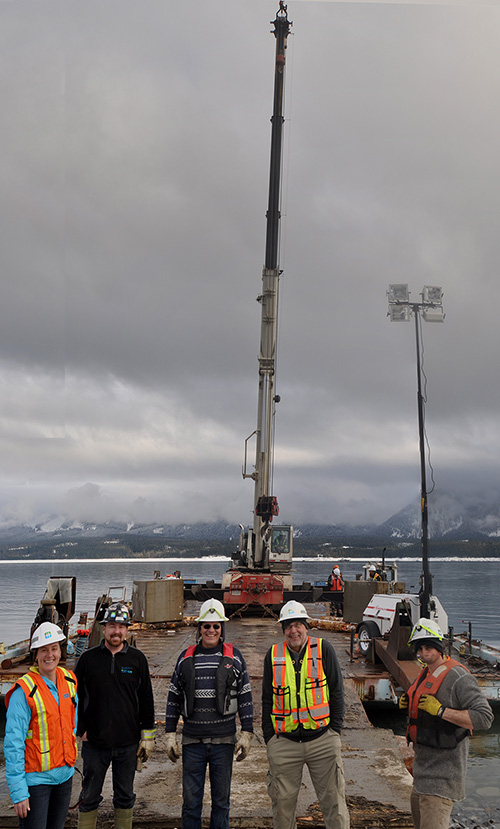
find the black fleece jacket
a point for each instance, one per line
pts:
(115, 696)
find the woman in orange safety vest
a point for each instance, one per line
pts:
(40, 744)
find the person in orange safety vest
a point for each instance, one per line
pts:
(336, 583)
(40, 744)
(444, 705)
(302, 716)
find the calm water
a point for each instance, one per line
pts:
(468, 590)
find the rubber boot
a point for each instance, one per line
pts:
(123, 818)
(87, 820)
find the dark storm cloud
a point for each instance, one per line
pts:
(135, 162)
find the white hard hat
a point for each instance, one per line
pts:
(427, 630)
(293, 610)
(372, 568)
(212, 611)
(46, 634)
(336, 571)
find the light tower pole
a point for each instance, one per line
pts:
(431, 310)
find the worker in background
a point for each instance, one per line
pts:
(115, 718)
(336, 583)
(444, 706)
(373, 573)
(302, 716)
(209, 686)
(40, 743)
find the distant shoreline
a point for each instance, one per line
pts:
(149, 548)
(138, 559)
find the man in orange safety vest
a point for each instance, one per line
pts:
(444, 706)
(302, 716)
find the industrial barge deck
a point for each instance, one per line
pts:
(376, 776)
(378, 783)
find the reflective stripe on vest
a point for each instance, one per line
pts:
(425, 683)
(309, 706)
(47, 746)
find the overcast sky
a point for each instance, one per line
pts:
(134, 160)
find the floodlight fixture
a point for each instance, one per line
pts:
(432, 293)
(398, 293)
(399, 313)
(431, 314)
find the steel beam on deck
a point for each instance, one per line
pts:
(403, 671)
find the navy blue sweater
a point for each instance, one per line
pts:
(205, 720)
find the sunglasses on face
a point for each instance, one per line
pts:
(207, 626)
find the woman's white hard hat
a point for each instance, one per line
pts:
(212, 611)
(293, 610)
(46, 634)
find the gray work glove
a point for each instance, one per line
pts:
(146, 746)
(242, 746)
(173, 750)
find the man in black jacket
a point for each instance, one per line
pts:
(302, 716)
(115, 718)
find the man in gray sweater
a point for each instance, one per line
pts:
(445, 705)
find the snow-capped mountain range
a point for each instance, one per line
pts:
(450, 518)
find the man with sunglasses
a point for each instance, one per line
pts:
(444, 706)
(302, 716)
(209, 686)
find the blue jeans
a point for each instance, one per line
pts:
(195, 757)
(96, 762)
(48, 806)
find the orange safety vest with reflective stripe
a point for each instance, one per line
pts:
(336, 583)
(51, 742)
(307, 705)
(424, 729)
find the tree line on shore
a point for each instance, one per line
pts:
(127, 546)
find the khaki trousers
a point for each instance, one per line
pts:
(430, 811)
(323, 758)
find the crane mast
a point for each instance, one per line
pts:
(256, 544)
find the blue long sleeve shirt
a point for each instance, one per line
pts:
(16, 730)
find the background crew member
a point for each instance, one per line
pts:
(336, 583)
(209, 685)
(444, 705)
(115, 718)
(40, 743)
(301, 728)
